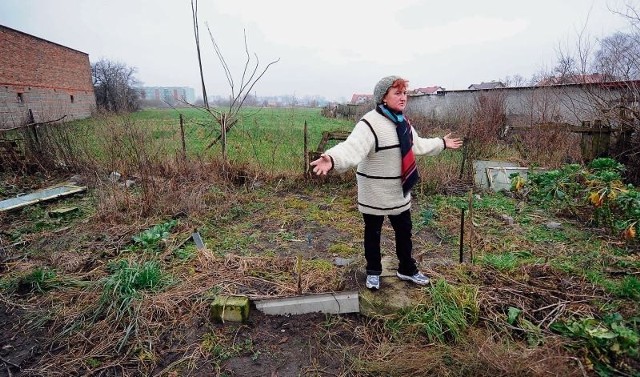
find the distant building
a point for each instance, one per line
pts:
(42, 79)
(429, 90)
(487, 85)
(358, 99)
(169, 94)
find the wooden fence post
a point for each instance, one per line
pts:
(184, 145)
(306, 150)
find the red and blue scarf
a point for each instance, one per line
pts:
(409, 169)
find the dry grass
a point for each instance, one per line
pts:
(81, 337)
(121, 338)
(480, 353)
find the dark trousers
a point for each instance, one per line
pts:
(402, 228)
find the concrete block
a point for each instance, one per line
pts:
(330, 303)
(230, 308)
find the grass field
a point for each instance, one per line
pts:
(271, 139)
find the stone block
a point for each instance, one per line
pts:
(60, 212)
(230, 309)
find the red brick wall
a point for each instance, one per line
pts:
(46, 75)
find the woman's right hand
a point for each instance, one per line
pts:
(322, 165)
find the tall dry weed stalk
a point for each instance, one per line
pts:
(488, 119)
(481, 128)
(546, 146)
(154, 179)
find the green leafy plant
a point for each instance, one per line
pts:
(596, 193)
(532, 332)
(185, 254)
(152, 239)
(555, 186)
(609, 341)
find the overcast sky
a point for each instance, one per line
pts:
(329, 48)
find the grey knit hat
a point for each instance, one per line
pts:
(382, 86)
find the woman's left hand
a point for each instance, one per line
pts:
(452, 142)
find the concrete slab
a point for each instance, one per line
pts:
(500, 177)
(495, 175)
(39, 196)
(330, 303)
(482, 177)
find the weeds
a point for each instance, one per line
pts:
(610, 342)
(502, 262)
(220, 348)
(451, 311)
(596, 194)
(127, 280)
(491, 319)
(38, 280)
(154, 238)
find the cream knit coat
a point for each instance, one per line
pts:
(374, 148)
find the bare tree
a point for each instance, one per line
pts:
(619, 56)
(514, 81)
(240, 92)
(114, 84)
(631, 13)
(609, 87)
(196, 34)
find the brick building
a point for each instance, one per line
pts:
(49, 79)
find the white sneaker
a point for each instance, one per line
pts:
(373, 281)
(418, 278)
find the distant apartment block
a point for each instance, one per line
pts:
(168, 94)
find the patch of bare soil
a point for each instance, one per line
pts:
(285, 346)
(17, 348)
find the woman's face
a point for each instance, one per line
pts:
(396, 98)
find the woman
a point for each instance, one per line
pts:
(383, 146)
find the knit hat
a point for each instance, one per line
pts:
(382, 86)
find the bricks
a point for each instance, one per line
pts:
(46, 75)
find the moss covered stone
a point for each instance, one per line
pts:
(230, 309)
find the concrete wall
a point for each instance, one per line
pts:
(523, 106)
(49, 79)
